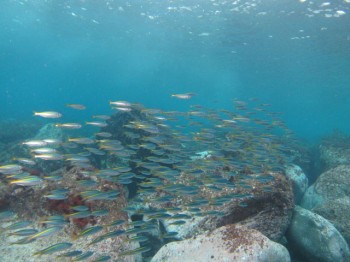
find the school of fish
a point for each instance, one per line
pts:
(165, 155)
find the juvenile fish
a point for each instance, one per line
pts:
(83, 256)
(25, 161)
(102, 212)
(54, 248)
(99, 195)
(27, 181)
(77, 158)
(76, 106)
(57, 196)
(102, 258)
(52, 141)
(104, 134)
(54, 156)
(44, 150)
(23, 232)
(120, 103)
(95, 151)
(116, 223)
(178, 222)
(138, 238)
(135, 251)
(48, 114)
(99, 124)
(10, 169)
(71, 253)
(103, 117)
(124, 109)
(80, 208)
(44, 233)
(81, 214)
(183, 96)
(34, 143)
(69, 125)
(90, 231)
(17, 225)
(82, 140)
(23, 241)
(54, 221)
(86, 183)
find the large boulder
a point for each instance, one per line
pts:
(329, 197)
(268, 209)
(299, 179)
(314, 238)
(332, 184)
(228, 243)
(337, 211)
(334, 153)
(269, 212)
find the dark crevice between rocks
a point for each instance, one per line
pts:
(132, 189)
(154, 242)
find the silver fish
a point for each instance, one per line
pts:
(48, 114)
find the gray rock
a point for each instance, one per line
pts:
(50, 131)
(333, 184)
(299, 179)
(228, 243)
(315, 238)
(337, 212)
(311, 198)
(269, 212)
(334, 154)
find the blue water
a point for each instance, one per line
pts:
(293, 55)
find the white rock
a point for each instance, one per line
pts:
(228, 243)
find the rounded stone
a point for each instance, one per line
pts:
(314, 238)
(332, 184)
